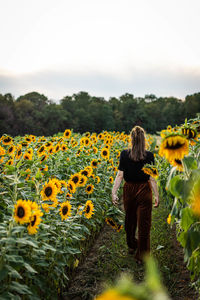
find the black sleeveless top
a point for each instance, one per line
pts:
(133, 169)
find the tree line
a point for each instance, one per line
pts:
(34, 113)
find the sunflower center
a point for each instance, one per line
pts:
(89, 188)
(94, 163)
(64, 210)
(48, 191)
(41, 149)
(19, 152)
(75, 179)
(104, 153)
(178, 161)
(20, 212)
(10, 149)
(43, 158)
(87, 209)
(7, 140)
(85, 173)
(111, 223)
(34, 219)
(175, 146)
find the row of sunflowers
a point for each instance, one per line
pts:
(54, 199)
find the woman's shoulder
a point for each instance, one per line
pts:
(125, 152)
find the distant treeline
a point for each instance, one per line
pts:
(35, 114)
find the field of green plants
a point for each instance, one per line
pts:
(55, 196)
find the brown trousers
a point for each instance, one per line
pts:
(137, 199)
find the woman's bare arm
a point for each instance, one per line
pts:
(116, 185)
(155, 190)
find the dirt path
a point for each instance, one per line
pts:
(108, 258)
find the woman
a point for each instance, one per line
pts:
(137, 193)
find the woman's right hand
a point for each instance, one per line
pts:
(157, 202)
(115, 199)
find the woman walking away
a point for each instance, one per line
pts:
(137, 193)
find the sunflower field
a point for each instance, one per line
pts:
(54, 199)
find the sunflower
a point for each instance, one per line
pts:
(51, 150)
(150, 170)
(19, 152)
(44, 157)
(67, 133)
(11, 149)
(94, 163)
(89, 188)
(68, 195)
(174, 147)
(95, 150)
(71, 187)
(41, 150)
(28, 139)
(56, 148)
(57, 183)
(83, 180)
(7, 140)
(89, 208)
(110, 222)
(64, 147)
(178, 164)
(65, 210)
(10, 162)
(118, 227)
(22, 211)
(24, 144)
(49, 191)
(75, 178)
(2, 151)
(105, 153)
(44, 169)
(84, 172)
(113, 294)
(87, 142)
(111, 179)
(90, 170)
(97, 179)
(35, 221)
(27, 156)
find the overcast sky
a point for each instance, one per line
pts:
(104, 47)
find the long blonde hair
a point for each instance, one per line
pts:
(137, 147)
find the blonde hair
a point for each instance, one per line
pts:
(137, 147)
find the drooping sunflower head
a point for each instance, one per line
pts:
(22, 211)
(189, 132)
(65, 210)
(49, 191)
(89, 209)
(174, 147)
(89, 188)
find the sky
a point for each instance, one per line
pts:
(104, 47)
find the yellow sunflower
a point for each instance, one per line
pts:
(27, 156)
(71, 187)
(105, 153)
(56, 148)
(34, 221)
(90, 170)
(111, 179)
(41, 150)
(75, 178)
(18, 152)
(51, 150)
(57, 183)
(110, 222)
(10, 162)
(49, 191)
(65, 210)
(22, 211)
(83, 180)
(152, 171)
(89, 188)
(67, 133)
(97, 179)
(43, 158)
(94, 163)
(46, 207)
(11, 150)
(2, 151)
(7, 140)
(174, 147)
(89, 209)
(64, 147)
(178, 164)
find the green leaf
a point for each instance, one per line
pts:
(178, 187)
(29, 268)
(20, 288)
(190, 163)
(187, 218)
(14, 258)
